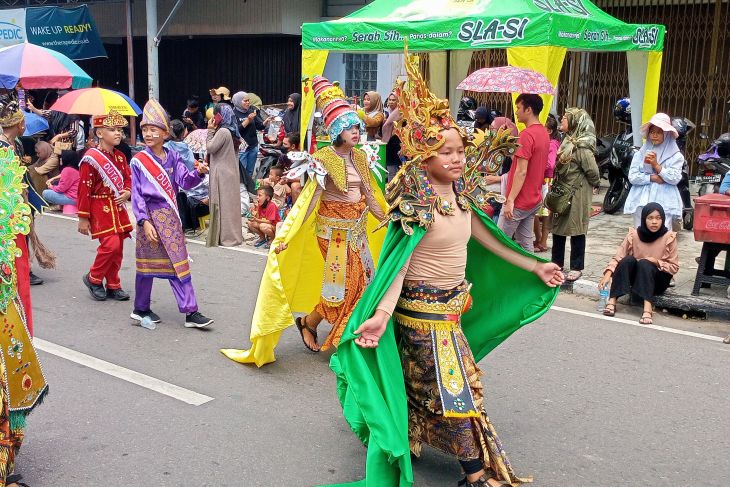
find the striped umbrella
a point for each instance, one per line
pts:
(96, 101)
(36, 67)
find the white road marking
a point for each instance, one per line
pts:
(157, 385)
(61, 216)
(597, 316)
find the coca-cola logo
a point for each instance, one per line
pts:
(717, 224)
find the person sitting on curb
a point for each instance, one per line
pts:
(265, 217)
(644, 263)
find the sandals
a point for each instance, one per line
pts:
(540, 248)
(609, 310)
(646, 320)
(301, 326)
(726, 340)
(483, 481)
(573, 276)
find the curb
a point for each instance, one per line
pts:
(710, 307)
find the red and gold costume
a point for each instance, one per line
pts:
(109, 221)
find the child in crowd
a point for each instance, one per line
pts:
(192, 116)
(278, 185)
(265, 217)
(291, 143)
(542, 218)
(64, 188)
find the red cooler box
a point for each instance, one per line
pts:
(712, 218)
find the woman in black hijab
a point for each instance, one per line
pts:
(292, 114)
(644, 263)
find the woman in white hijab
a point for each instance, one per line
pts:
(656, 170)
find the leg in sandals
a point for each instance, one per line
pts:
(610, 309)
(726, 340)
(573, 276)
(307, 326)
(647, 315)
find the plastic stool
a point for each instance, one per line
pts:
(203, 221)
(70, 209)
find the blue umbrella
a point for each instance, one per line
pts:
(34, 124)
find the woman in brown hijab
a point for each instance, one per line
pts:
(373, 114)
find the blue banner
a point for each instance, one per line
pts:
(70, 31)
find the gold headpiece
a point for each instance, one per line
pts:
(10, 112)
(424, 115)
(411, 198)
(110, 121)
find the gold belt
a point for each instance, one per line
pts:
(101, 196)
(426, 316)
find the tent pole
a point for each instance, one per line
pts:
(153, 80)
(130, 68)
(448, 74)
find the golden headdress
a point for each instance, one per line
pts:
(10, 112)
(424, 115)
(111, 120)
(410, 196)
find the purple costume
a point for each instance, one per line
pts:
(168, 258)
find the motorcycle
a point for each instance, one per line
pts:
(713, 164)
(617, 166)
(684, 126)
(269, 156)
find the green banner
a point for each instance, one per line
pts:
(481, 24)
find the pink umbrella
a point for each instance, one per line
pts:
(507, 79)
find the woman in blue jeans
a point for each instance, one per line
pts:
(63, 189)
(250, 121)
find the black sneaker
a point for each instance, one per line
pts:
(35, 280)
(140, 315)
(117, 294)
(197, 320)
(97, 291)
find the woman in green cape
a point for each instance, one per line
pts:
(441, 257)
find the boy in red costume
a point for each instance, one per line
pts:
(104, 186)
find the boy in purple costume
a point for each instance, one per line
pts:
(157, 175)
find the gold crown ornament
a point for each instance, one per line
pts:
(10, 112)
(112, 120)
(410, 195)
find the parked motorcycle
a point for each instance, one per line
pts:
(684, 126)
(616, 153)
(269, 156)
(713, 165)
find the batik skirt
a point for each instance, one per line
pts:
(348, 266)
(167, 258)
(443, 386)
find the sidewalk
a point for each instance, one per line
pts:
(605, 234)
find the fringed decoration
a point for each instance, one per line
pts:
(43, 255)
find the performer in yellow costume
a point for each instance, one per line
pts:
(22, 385)
(329, 237)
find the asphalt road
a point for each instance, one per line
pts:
(577, 400)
